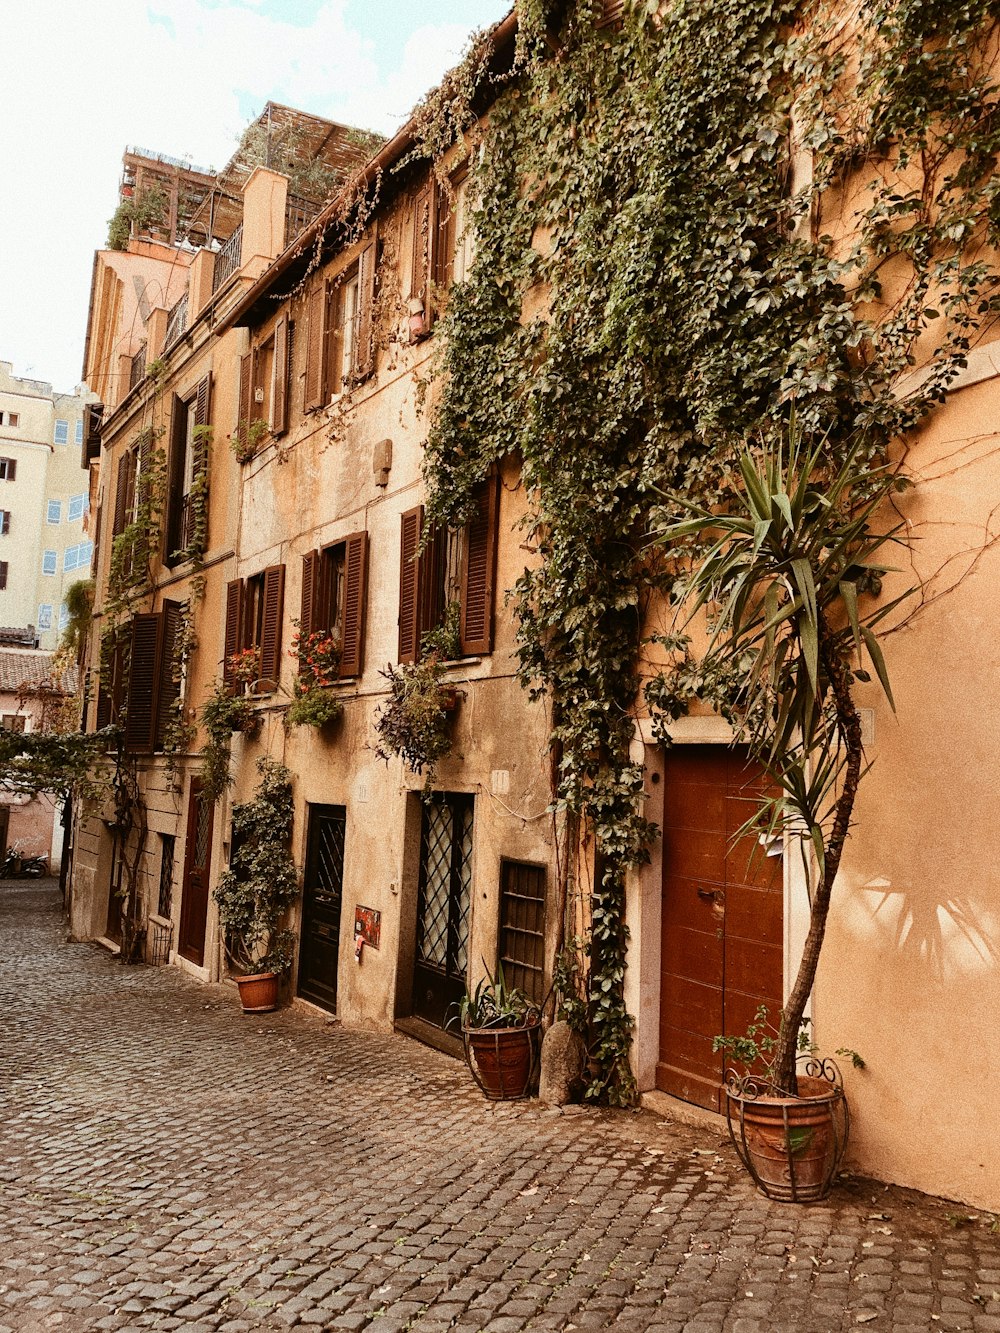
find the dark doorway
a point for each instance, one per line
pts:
(322, 893)
(113, 926)
(194, 888)
(443, 907)
(722, 925)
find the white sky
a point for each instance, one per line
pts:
(184, 77)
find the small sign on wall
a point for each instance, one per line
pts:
(367, 926)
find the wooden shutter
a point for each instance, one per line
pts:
(270, 632)
(202, 403)
(479, 571)
(175, 479)
(309, 612)
(424, 237)
(279, 398)
(4, 523)
(11, 469)
(3, 573)
(169, 687)
(243, 411)
(365, 355)
(232, 644)
(443, 249)
(315, 314)
(355, 584)
(611, 12)
(121, 494)
(409, 584)
(143, 681)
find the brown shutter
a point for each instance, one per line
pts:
(169, 687)
(355, 582)
(143, 681)
(279, 400)
(5, 523)
(309, 611)
(11, 469)
(270, 632)
(409, 584)
(243, 411)
(611, 12)
(142, 461)
(3, 573)
(424, 230)
(315, 311)
(479, 571)
(232, 645)
(175, 479)
(121, 493)
(103, 708)
(365, 357)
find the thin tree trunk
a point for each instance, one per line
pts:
(849, 726)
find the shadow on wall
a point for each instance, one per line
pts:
(944, 935)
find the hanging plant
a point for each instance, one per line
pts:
(318, 657)
(223, 714)
(415, 720)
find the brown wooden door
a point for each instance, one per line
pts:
(194, 890)
(319, 946)
(722, 923)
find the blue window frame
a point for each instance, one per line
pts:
(45, 615)
(61, 435)
(79, 431)
(75, 509)
(50, 561)
(53, 513)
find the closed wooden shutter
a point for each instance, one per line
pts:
(169, 684)
(309, 618)
(243, 411)
(611, 12)
(121, 493)
(5, 523)
(365, 355)
(3, 573)
(143, 681)
(175, 479)
(279, 400)
(424, 231)
(315, 313)
(479, 571)
(142, 457)
(409, 584)
(11, 469)
(355, 585)
(232, 644)
(270, 632)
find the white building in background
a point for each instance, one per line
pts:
(45, 542)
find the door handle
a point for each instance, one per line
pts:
(707, 894)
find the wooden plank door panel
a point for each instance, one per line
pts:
(197, 864)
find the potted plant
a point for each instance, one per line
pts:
(500, 1030)
(415, 720)
(786, 567)
(260, 885)
(318, 657)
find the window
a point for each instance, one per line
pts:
(76, 508)
(339, 343)
(3, 574)
(4, 522)
(8, 469)
(45, 615)
(63, 616)
(53, 512)
(11, 419)
(78, 436)
(522, 927)
(186, 464)
(442, 248)
(265, 384)
(50, 562)
(455, 568)
(76, 557)
(254, 609)
(142, 695)
(61, 433)
(334, 583)
(13, 722)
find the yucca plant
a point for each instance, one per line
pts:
(786, 570)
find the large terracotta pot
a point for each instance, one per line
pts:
(792, 1146)
(503, 1060)
(259, 992)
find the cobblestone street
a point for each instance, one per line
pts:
(168, 1163)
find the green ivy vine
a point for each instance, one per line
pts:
(656, 278)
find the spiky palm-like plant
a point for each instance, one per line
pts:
(787, 572)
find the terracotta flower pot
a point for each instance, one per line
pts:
(503, 1061)
(259, 993)
(792, 1146)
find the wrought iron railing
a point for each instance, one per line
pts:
(227, 261)
(137, 370)
(299, 213)
(177, 320)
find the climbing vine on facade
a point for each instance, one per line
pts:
(665, 266)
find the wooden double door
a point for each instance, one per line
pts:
(722, 921)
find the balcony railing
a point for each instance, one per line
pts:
(137, 370)
(298, 214)
(227, 261)
(177, 321)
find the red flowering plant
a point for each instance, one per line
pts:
(318, 657)
(244, 666)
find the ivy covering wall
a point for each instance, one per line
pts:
(688, 227)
